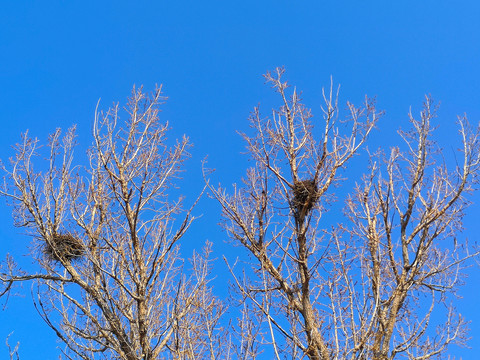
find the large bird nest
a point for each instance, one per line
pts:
(64, 247)
(305, 195)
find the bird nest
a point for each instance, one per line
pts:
(305, 195)
(64, 247)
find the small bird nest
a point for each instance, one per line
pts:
(64, 247)
(305, 195)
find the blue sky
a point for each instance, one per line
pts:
(57, 58)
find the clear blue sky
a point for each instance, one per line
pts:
(57, 58)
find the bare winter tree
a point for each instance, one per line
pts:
(366, 289)
(110, 280)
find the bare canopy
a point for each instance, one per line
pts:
(375, 281)
(365, 287)
(110, 280)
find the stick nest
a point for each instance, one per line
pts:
(305, 195)
(64, 247)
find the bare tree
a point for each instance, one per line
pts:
(365, 289)
(110, 280)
